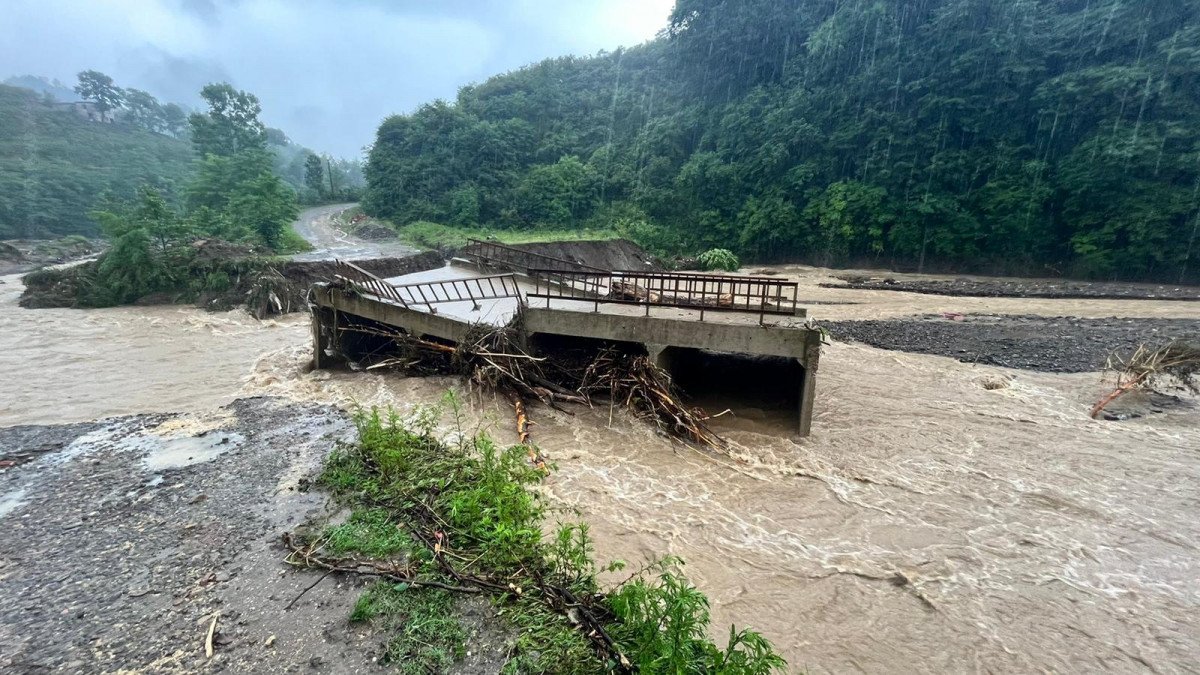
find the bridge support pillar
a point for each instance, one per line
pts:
(808, 385)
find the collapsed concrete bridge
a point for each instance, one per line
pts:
(690, 324)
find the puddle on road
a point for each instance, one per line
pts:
(177, 452)
(11, 502)
(176, 443)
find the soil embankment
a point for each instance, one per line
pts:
(262, 285)
(19, 256)
(254, 281)
(608, 254)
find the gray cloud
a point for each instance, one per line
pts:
(327, 71)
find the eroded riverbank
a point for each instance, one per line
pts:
(125, 538)
(943, 516)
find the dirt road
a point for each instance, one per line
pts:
(318, 225)
(124, 538)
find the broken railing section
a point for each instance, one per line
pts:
(492, 254)
(357, 277)
(685, 290)
(430, 293)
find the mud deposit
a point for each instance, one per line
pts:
(123, 538)
(1020, 288)
(1049, 344)
(19, 256)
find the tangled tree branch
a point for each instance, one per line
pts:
(308, 555)
(494, 359)
(1147, 367)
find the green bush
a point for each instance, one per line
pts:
(719, 259)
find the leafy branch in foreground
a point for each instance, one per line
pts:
(432, 518)
(1149, 367)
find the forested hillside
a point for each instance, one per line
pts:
(1025, 136)
(55, 165)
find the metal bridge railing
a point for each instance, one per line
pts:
(684, 290)
(365, 281)
(492, 254)
(430, 293)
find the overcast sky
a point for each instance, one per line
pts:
(327, 71)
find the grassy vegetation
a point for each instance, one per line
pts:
(468, 514)
(428, 637)
(436, 236)
(55, 166)
(424, 234)
(291, 242)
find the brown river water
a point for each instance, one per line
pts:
(929, 524)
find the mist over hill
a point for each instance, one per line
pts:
(61, 157)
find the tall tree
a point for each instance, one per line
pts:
(231, 124)
(314, 174)
(98, 88)
(144, 110)
(265, 207)
(174, 120)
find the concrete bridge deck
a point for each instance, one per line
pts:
(668, 334)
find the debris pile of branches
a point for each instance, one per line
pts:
(1176, 364)
(493, 359)
(635, 382)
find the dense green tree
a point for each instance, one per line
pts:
(217, 178)
(263, 207)
(98, 88)
(236, 194)
(314, 174)
(276, 137)
(174, 120)
(230, 125)
(143, 236)
(143, 110)
(558, 193)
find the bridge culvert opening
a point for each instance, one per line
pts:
(357, 339)
(751, 387)
(572, 350)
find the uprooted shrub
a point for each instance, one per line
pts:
(1175, 364)
(719, 259)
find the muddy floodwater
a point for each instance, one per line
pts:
(942, 517)
(69, 365)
